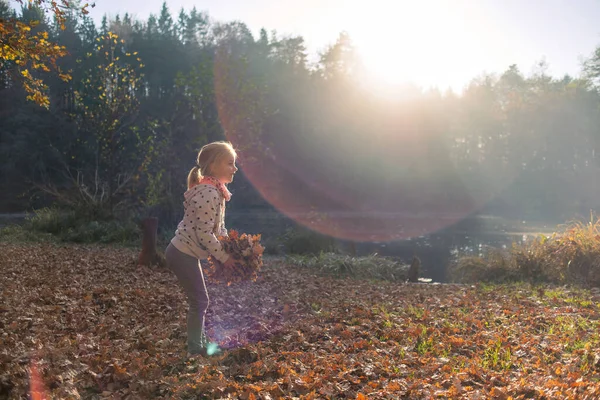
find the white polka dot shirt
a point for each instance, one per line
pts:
(203, 220)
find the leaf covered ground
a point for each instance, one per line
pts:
(86, 322)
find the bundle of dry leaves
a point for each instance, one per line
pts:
(247, 252)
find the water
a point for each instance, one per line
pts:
(472, 235)
(12, 218)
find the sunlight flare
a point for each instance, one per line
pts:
(429, 43)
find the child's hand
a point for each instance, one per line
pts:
(230, 263)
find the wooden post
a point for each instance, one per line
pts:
(413, 270)
(149, 255)
(353, 248)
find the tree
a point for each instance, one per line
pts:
(591, 66)
(31, 52)
(240, 87)
(5, 13)
(165, 22)
(340, 60)
(107, 110)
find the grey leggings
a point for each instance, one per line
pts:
(189, 273)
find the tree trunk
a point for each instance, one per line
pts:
(353, 249)
(413, 270)
(149, 255)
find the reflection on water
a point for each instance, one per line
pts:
(436, 250)
(12, 218)
(469, 237)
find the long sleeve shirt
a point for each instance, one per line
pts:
(203, 221)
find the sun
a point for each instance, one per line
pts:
(427, 43)
(395, 63)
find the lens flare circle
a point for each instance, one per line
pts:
(387, 187)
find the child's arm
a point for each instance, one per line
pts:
(223, 231)
(202, 217)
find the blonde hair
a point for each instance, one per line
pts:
(208, 155)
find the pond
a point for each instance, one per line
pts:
(11, 218)
(436, 250)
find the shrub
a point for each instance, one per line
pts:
(68, 226)
(572, 256)
(368, 267)
(304, 241)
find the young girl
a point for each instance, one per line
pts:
(196, 235)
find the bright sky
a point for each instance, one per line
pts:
(444, 43)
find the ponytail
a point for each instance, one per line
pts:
(193, 177)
